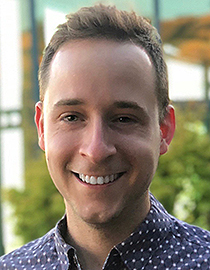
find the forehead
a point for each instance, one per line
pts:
(98, 50)
(99, 65)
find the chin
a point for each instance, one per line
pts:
(100, 218)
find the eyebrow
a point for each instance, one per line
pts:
(127, 105)
(69, 102)
(117, 104)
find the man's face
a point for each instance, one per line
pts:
(100, 128)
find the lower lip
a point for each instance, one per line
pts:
(97, 185)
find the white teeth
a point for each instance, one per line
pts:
(87, 179)
(100, 180)
(106, 179)
(93, 180)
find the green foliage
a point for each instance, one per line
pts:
(182, 181)
(39, 206)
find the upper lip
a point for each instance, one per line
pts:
(97, 174)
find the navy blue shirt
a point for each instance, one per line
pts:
(160, 242)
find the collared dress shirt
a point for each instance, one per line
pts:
(160, 242)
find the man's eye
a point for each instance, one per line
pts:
(71, 118)
(125, 119)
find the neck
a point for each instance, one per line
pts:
(93, 242)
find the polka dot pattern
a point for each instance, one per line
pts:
(160, 242)
(163, 242)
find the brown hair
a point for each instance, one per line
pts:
(107, 22)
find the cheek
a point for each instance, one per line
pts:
(60, 142)
(145, 164)
(59, 150)
(142, 155)
(142, 150)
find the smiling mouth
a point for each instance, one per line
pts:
(99, 180)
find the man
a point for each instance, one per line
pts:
(103, 120)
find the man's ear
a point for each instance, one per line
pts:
(167, 128)
(39, 120)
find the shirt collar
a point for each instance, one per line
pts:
(65, 251)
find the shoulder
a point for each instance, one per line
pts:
(183, 246)
(187, 244)
(36, 252)
(192, 234)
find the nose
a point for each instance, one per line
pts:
(97, 143)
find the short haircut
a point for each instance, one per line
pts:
(107, 22)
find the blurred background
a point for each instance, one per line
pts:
(30, 204)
